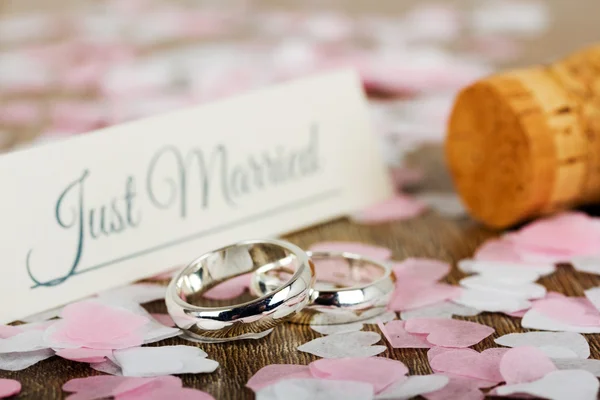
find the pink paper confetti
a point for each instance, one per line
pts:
(569, 310)
(375, 252)
(230, 289)
(377, 371)
(83, 354)
(102, 386)
(9, 387)
(97, 326)
(398, 208)
(414, 294)
(273, 373)
(498, 250)
(568, 234)
(421, 269)
(460, 387)
(469, 363)
(152, 392)
(399, 338)
(164, 319)
(449, 332)
(525, 364)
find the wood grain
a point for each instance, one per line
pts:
(427, 236)
(431, 235)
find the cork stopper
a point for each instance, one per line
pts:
(526, 143)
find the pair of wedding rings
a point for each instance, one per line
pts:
(285, 288)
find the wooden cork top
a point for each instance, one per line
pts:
(526, 143)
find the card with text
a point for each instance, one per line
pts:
(127, 202)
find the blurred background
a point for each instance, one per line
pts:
(71, 66)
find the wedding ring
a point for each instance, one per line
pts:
(208, 322)
(349, 288)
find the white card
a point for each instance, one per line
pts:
(114, 206)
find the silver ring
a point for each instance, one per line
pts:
(339, 303)
(207, 322)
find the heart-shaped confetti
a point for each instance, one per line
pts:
(339, 328)
(399, 338)
(317, 389)
(544, 340)
(273, 373)
(569, 311)
(534, 319)
(23, 342)
(97, 326)
(459, 387)
(557, 385)
(9, 387)
(495, 286)
(592, 366)
(491, 301)
(353, 344)
(518, 272)
(587, 264)
(413, 386)
(449, 332)
(421, 269)
(469, 363)
(444, 309)
(83, 354)
(19, 361)
(525, 364)
(164, 360)
(410, 295)
(377, 371)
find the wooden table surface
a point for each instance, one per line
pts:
(430, 235)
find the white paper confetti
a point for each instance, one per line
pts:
(535, 320)
(385, 317)
(593, 295)
(588, 264)
(24, 342)
(415, 385)
(444, 309)
(316, 389)
(491, 301)
(558, 352)
(164, 360)
(506, 271)
(557, 385)
(339, 328)
(515, 289)
(353, 344)
(549, 342)
(592, 366)
(20, 361)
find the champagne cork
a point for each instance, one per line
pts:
(526, 143)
